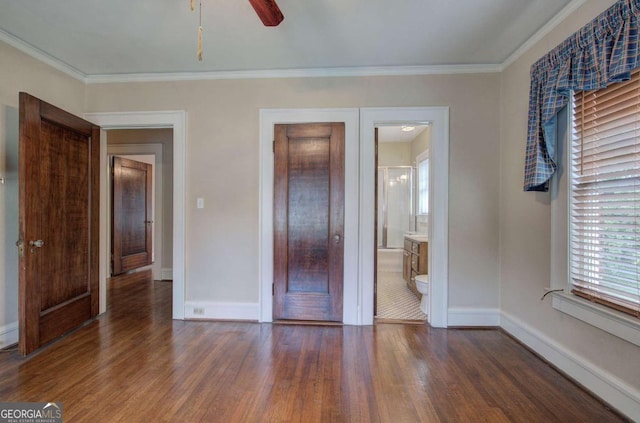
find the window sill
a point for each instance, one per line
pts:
(611, 321)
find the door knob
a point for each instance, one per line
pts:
(337, 238)
(37, 243)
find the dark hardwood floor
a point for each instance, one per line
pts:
(134, 364)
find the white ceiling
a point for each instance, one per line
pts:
(110, 37)
(396, 134)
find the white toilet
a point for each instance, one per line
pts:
(422, 285)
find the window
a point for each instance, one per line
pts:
(604, 240)
(423, 183)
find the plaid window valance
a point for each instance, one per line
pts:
(602, 52)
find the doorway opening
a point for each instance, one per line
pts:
(400, 192)
(268, 119)
(153, 146)
(137, 120)
(438, 222)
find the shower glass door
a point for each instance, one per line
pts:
(395, 205)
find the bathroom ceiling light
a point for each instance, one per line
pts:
(407, 128)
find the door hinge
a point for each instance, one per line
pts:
(273, 289)
(274, 146)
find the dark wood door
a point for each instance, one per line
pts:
(131, 215)
(58, 222)
(308, 221)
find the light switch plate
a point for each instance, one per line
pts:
(200, 203)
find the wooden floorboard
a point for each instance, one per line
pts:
(135, 364)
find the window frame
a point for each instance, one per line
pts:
(605, 318)
(422, 157)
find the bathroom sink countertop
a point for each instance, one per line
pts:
(417, 237)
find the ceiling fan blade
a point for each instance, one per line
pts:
(268, 12)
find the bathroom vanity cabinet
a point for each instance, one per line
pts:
(414, 260)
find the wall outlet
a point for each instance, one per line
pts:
(198, 310)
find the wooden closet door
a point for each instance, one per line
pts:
(309, 221)
(131, 214)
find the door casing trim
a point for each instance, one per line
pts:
(268, 118)
(138, 120)
(438, 200)
(359, 184)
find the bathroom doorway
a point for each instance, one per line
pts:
(400, 150)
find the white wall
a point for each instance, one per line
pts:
(525, 243)
(420, 144)
(19, 72)
(394, 153)
(222, 167)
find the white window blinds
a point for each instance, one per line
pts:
(605, 196)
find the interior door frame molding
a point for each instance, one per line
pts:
(268, 118)
(139, 120)
(359, 218)
(438, 199)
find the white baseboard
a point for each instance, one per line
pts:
(617, 393)
(8, 335)
(167, 274)
(222, 311)
(486, 317)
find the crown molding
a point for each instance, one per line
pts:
(58, 64)
(291, 73)
(294, 73)
(40, 55)
(542, 32)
